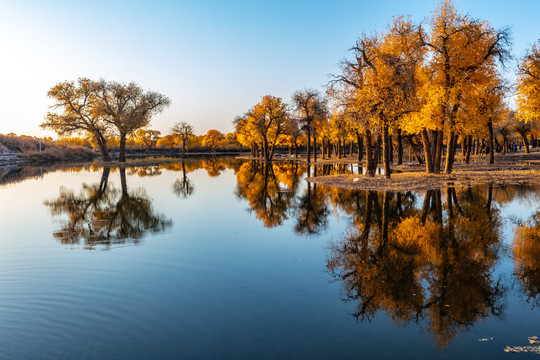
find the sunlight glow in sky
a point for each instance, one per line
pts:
(214, 59)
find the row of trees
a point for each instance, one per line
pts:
(441, 83)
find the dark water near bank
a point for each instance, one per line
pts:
(234, 260)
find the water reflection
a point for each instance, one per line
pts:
(102, 214)
(313, 211)
(272, 192)
(527, 258)
(269, 198)
(432, 266)
(425, 259)
(143, 171)
(183, 188)
(214, 166)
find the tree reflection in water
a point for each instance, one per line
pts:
(312, 212)
(183, 188)
(425, 258)
(527, 258)
(431, 266)
(104, 215)
(268, 199)
(271, 191)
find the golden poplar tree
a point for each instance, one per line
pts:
(463, 53)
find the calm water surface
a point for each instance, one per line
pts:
(227, 259)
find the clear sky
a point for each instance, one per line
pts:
(214, 59)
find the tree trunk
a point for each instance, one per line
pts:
(438, 151)
(272, 148)
(309, 143)
(370, 163)
(399, 147)
(339, 149)
(102, 143)
(491, 145)
(468, 153)
(505, 145)
(378, 149)
(360, 143)
(328, 149)
(427, 151)
(386, 154)
(323, 148)
(122, 156)
(314, 148)
(412, 147)
(183, 148)
(450, 151)
(523, 136)
(266, 152)
(390, 149)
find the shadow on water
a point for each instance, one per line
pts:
(104, 215)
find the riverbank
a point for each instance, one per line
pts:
(509, 169)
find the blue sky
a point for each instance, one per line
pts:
(214, 59)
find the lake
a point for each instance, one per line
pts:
(232, 259)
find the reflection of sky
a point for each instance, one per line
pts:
(517, 212)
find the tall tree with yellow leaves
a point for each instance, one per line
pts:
(528, 88)
(267, 121)
(382, 80)
(463, 52)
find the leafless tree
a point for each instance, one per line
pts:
(183, 129)
(309, 104)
